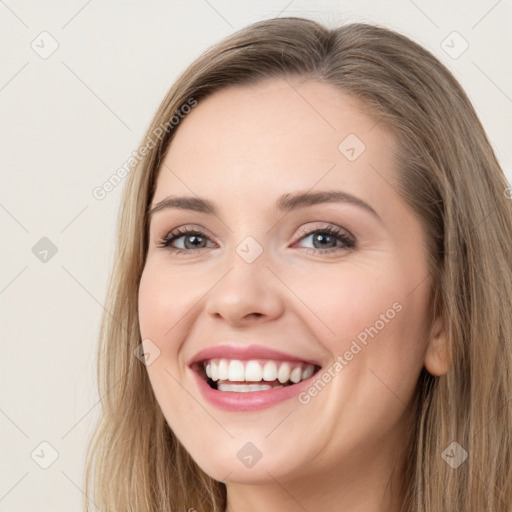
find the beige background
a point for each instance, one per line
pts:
(70, 119)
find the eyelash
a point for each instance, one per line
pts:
(348, 242)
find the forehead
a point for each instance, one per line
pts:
(282, 134)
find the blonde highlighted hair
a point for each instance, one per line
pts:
(449, 175)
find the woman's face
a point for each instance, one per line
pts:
(261, 272)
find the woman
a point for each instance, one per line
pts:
(310, 303)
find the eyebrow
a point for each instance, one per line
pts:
(284, 204)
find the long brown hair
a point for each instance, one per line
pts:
(449, 175)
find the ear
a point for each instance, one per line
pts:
(437, 360)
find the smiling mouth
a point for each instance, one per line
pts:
(253, 375)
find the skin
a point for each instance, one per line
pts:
(242, 148)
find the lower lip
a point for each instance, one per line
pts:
(249, 401)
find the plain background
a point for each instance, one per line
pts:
(69, 120)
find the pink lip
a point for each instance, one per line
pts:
(244, 353)
(254, 400)
(251, 401)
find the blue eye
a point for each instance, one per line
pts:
(327, 235)
(194, 239)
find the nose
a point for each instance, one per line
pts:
(248, 293)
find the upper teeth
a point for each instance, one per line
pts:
(254, 370)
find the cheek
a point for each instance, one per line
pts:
(379, 321)
(151, 303)
(393, 338)
(350, 298)
(377, 317)
(165, 301)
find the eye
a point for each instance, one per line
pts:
(329, 239)
(192, 239)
